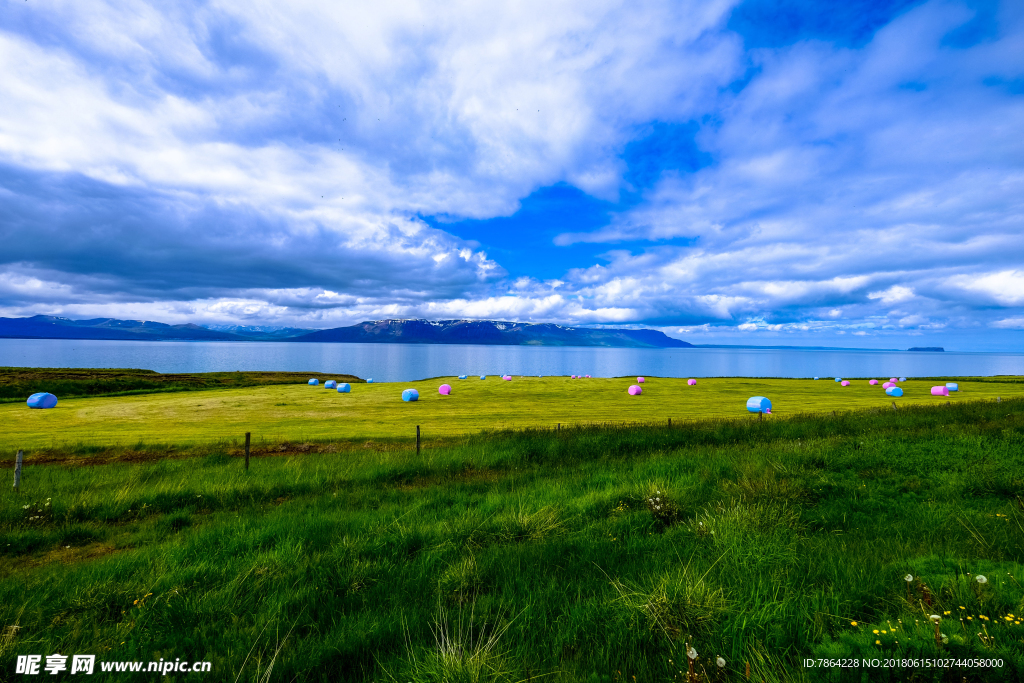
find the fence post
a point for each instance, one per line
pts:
(670, 422)
(247, 451)
(559, 427)
(17, 473)
(760, 415)
(417, 439)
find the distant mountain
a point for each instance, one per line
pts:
(53, 327)
(489, 332)
(389, 331)
(927, 348)
(261, 332)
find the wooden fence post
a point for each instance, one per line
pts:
(417, 439)
(670, 422)
(247, 451)
(760, 415)
(559, 427)
(17, 473)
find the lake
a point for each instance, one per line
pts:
(406, 362)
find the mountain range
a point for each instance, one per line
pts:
(490, 332)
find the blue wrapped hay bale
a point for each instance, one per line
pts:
(758, 404)
(344, 388)
(952, 386)
(894, 391)
(839, 379)
(42, 400)
(410, 395)
(313, 382)
(369, 381)
(462, 377)
(483, 376)
(330, 384)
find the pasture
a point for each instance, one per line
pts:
(597, 553)
(297, 412)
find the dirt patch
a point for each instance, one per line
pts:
(62, 555)
(279, 450)
(467, 476)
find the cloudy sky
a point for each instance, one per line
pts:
(763, 171)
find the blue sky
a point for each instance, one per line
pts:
(761, 172)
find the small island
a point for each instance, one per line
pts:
(926, 348)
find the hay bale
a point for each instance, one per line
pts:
(940, 391)
(410, 395)
(483, 376)
(344, 388)
(691, 382)
(635, 390)
(444, 389)
(893, 380)
(758, 404)
(42, 400)
(844, 383)
(330, 384)
(872, 382)
(369, 381)
(313, 382)
(640, 380)
(839, 379)
(903, 379)
(462, 377)
(894, 391)
(952, 386)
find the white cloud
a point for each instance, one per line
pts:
(1010, 323)
(894, 294)
(1004, 287)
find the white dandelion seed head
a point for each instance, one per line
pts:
(908, 578)
(720, 662)
(691, 653)
(936, 618)
(981, 579)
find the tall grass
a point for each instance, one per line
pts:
(592, 553)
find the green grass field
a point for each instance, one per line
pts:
(375, 411)
(595, 554)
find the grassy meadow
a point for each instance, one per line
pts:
(595, 553)
(298, 412)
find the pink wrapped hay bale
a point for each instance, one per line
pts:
(940, 391)
(872, 382)
(639, 380)
(887, 385)
(636, 390)
(893, 380)
(844, 383)
(444, 389)
(691, 382)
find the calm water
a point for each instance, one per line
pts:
(405, 362)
